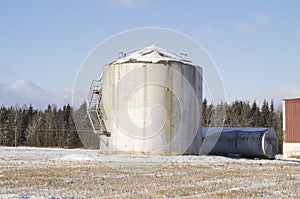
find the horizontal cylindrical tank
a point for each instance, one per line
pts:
(247, 142)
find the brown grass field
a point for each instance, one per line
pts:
(44, 177)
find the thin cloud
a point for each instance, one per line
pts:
(23, 92)
(207, 26)
(244, 27)
(262, 19)
(125, 4)
(253, 23)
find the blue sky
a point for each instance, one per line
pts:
(255, 44)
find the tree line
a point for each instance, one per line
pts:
(55, 127)
(52, 127)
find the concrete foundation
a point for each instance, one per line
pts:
(291, 150)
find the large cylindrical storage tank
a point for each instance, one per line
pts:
(247, 142)
(152, 103)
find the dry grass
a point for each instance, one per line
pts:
(63, 179)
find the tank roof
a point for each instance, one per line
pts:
(152, 54)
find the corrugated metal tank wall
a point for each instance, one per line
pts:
(143, 89)
(291, 120)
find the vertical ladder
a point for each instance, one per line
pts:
(95, 109)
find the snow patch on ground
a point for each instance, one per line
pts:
(77, 157)
(8, 153)
(19, 196)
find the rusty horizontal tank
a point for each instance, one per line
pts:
(245, 142)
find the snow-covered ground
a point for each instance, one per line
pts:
(30, 173)
(94, 155)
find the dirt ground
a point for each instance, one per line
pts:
(26, 176)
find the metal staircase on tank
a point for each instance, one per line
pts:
(95, 109)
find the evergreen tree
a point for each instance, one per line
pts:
(210, 113)
(254, 115)
(218, 116)
(5, 138)
(50, 135)
(272, 115)
(87, 136)
(205, 119)
(265, 115)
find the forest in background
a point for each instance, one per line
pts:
(55, 127)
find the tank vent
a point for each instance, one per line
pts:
(184, 56)
(121, 55)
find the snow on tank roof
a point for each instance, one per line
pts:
(152, 54)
